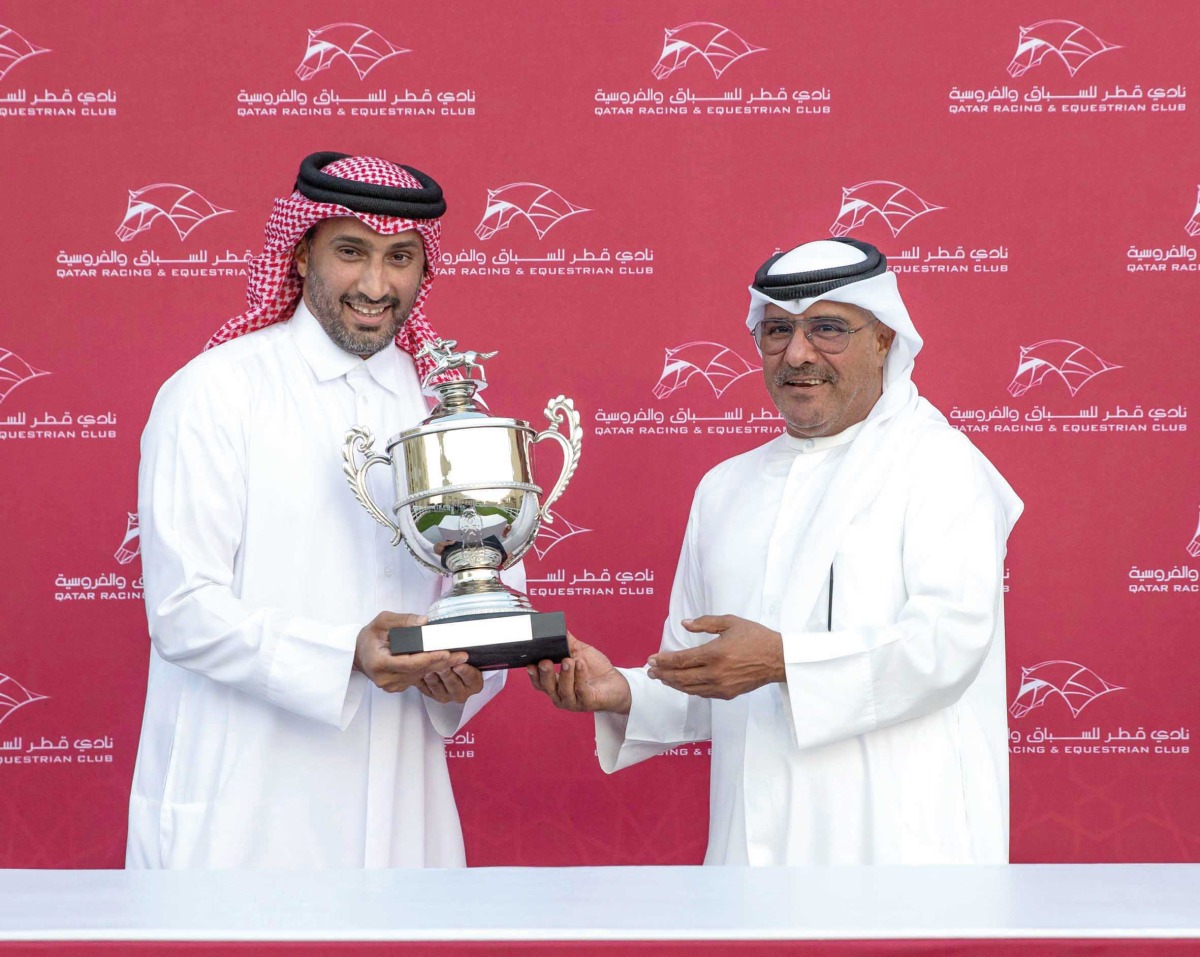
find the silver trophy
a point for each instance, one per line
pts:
(466, 506)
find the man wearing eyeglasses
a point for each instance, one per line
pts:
(836, 623)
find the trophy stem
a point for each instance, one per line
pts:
(478, 591)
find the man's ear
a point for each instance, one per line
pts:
(300, 255)
(884, 337)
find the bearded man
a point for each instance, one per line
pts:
(836, 624)
(279, 731)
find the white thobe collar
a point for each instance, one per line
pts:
(328, 360)
(824, 442)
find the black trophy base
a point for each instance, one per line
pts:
(491, 641)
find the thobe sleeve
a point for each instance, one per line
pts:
(847, 682)
(449, 717)
(191, 505)
(660, 717)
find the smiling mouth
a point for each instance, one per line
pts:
(806, 383)
(367, 310)
(368, 313)
(802, 378)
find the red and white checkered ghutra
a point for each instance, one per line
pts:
(275, 284)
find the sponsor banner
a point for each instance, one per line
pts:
(107, 224)
(37, 750)
(524, 213)
(554, 532)
(18, 100)
(883, 201)
(694, 374)
(736, 102)
(682, 751)
(956, 260)
(591, 583)
(1160, 260)
(336, 53)
(40, 751)
(1050, 365)
(460, 746)
(110, 585)
(568, 578)
(157, 210)
(22, 424)
(1056, 694)
(1180, 579)
(14, 696)
(1050, 53)
(689, 80)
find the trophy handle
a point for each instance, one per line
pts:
(361, 441)
(556, 410)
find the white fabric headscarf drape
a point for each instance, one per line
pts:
(889, 429)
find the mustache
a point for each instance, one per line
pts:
(789, 374)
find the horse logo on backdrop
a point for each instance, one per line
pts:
(1193, 547)
(14, 696)
(15, 371)
(1075, 364)
(14, 48)
(550, 535)
(716, 364)
(540, 205)
(362, 46)
(897, 205)
(1071, 42)
(184, 208)
(1076, 685)
(131, 544)
(716, 45)
(1193, 224)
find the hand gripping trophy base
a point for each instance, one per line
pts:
(466, 506)
(491, 641)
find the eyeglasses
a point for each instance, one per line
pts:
(830, 336)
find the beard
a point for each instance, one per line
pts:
(327, 309)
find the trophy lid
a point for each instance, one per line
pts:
(456, 396)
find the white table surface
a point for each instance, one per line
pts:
(606, 903)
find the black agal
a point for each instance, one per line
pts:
(423, 203)
(788, 287)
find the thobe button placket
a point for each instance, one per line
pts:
(359, 382)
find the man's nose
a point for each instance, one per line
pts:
(372, 281)
(800, 350)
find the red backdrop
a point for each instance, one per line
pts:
(615, 173)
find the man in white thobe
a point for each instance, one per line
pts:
(279, 731)
(836, 622)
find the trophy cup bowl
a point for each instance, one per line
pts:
(466, 506)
